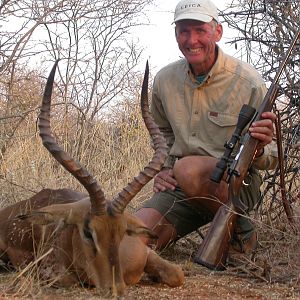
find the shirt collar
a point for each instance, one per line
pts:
(217, 67)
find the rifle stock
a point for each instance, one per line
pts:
(213, 251)
(213, 254)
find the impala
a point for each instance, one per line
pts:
(90, 239)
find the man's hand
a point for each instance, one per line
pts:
(164, 180)
(263, 130)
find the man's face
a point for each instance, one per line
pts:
(197, 42)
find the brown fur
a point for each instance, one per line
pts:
(88, 239)
(75, 258)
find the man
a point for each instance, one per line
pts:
(196, 102)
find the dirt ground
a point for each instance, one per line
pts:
(199, 284)
(245, 278)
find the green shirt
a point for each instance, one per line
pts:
(197, 119)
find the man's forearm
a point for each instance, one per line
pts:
(268, 159)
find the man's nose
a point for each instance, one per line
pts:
(193, 38)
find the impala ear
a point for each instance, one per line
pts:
(145, 231)
(136, 227)
(40, 218)
(70, 213)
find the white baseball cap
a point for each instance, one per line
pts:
(201, 10)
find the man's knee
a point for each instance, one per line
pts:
(193, 176)
(154, 220)
(194, 169)
(149, 216)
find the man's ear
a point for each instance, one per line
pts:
(218, 32)
(175, 32)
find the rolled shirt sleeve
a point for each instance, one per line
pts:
(269, 159)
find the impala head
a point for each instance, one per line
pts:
(101, 223)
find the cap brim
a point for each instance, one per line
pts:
(191, 16)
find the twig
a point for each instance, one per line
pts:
(286, 205)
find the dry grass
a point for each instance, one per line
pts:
(112, 153)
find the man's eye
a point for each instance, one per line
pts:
(200, 30)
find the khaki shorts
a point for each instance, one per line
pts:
(173, 205)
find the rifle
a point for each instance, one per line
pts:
(213, 251)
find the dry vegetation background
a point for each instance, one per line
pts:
(96, 117)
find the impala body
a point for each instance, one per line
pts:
(87, 239)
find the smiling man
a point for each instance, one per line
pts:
(196, 102)
(197, 40)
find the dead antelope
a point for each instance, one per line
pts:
(96, 242)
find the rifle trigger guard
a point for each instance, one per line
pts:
(247, 180)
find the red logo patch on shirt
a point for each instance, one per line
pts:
(213, 114)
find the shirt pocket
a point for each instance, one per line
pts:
(220, 128)
(222, 119)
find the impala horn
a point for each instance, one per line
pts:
(120, 202)
(98, 201)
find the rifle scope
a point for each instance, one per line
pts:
(245, 116)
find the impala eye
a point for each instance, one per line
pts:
(88, 236)
(87, 232)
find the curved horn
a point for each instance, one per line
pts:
(120, 202)
(98, 202)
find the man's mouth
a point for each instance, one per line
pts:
(194, 50)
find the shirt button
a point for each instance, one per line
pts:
(193, 134)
